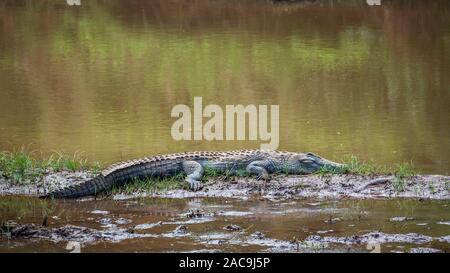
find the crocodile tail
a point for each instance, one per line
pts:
(90, 187)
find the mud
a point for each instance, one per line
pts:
(70, 233)
(224, 224)
(313, 243)
(48, 183)
(339, 213)
(377, 239)
(435, 187)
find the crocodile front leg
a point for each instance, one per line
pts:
(260, 169)
(194, 173)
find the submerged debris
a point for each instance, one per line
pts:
(258, 235)
(182, 229)
(194, 213)
(374, 182)
(71, 233)
(233, 228)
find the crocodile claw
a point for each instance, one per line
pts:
(263, 176)
(194, 185)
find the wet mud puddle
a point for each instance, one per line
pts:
(224, 225)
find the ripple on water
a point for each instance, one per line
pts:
(424, 250)
(234, 213)
(103, 212)
(148, 225)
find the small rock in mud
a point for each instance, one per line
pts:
(332, 220)
(194, 213)
(105, 221)
(258, 235)
(181, 229)
(233, 228)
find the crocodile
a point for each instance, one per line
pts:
(260, 163)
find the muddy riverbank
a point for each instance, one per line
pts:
(223, 224)
(434, 187)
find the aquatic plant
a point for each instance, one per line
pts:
(47, 208)
(17, 165)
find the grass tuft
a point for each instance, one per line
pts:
(21, 166)
(152, 185)
(356, 166)
(17, 165)
(60, 161)
(210, 172)
(403, 171)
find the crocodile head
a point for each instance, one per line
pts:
(311, 163)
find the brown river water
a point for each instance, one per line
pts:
(350, 79)
(102, 77)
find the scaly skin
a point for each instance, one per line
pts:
(256, 162)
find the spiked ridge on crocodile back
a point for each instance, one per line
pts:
(257, 162)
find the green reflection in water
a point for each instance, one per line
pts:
(102, 78)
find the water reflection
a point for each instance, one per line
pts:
(349, 78)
